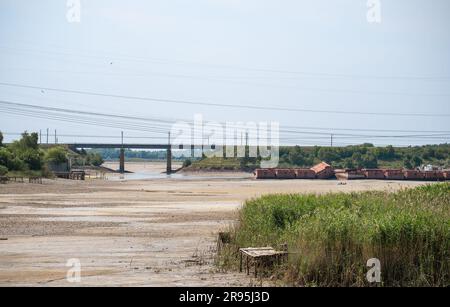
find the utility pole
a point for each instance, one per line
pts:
(40, 136)
(169, 157)
(56, 139)
(331, 140)
(122, 157)
(47, 136)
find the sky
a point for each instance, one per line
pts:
(287, 57)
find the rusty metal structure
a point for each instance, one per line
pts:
(348, 174)
(393, 174)
(323, 170)
(373, 173)
(412, 175)
(265, 173)
(304, 173)
(446, 174)
(285, 173)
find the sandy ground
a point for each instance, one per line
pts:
(158, 232)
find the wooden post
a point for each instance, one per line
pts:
(240, 262)
(248, 267)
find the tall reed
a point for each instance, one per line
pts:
(331, 237)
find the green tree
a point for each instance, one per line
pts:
(416, 161)
(56, 155)
(33, 158)
(385, 153)
(26, 153)
(407, 164)
(5, 156)
(8, 160)
(28, 141)
(348, 163)
(357, 160)
(296, 156)
(369, 161)
(428, 153)
(94, 159)
(328, 154)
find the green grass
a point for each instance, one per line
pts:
(331, 237)
(217, 163)
(29, 173)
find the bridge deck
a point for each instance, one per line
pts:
(133, 146)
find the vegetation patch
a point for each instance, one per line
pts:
(331, 237)
(26, 157)
(357, 156)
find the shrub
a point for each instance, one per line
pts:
(187, 163)
(56, 155)
(94, 159)
(16, 164)
(3, 170)
(33, 158)
(5, 156)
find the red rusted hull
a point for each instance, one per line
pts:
(393, 174)
(285, 173)
(265, 173)
(304, 173)
(412, 175)
(373, 173)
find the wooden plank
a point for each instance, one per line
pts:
(258, 252)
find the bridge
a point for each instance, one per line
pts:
(122, 147)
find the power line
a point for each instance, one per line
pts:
(96, 122)
(172, 120)
(210, 104)
(21, 109)
(37, 111)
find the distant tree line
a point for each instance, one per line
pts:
(367, 156)
(357, 156)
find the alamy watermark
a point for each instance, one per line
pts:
(73, 14)
(229, 140)
(374, 273)
(373, 11)
(74, 273)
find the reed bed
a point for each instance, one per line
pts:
(331, 237)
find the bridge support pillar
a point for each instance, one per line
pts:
(122, 161)
(169, 160)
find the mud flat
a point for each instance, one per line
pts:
(154, 232)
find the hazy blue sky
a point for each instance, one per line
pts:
(321, 55)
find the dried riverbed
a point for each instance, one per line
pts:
(146, 232)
